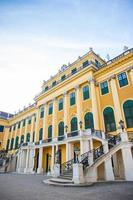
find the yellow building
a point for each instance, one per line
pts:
(77, 108)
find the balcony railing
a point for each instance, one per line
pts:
(61, 137)
(73, 134)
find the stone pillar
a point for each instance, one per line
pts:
(45, 121)
(124, 136)
(32, 127)
(31, 160)
(78, 176)
(79, 105)
(52, 159)
(27, 161)
(127, 162)
(84, 146)
(54, 118)
(40, 169)
(65, 110)
(116, 102)
(109, 175)
(94, 103)
(69, 151)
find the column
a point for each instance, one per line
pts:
(27, 161)
(79, 105)
(109, 175)
(84, 146)
(36, 124)
(45, 121)
(69, 151)
(32, 127)
(40, 169)
(127, 162)
(94, 103)
(54, 118)
(31, 160)
(65, 106)
(117, 107)
(130, 70)
(52, 158)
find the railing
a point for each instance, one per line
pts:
(113, 140)
(61, 137)
(97, 133)
(73, 134)
(25, 144)
(98, 152)
(84, 158)
(67, 166)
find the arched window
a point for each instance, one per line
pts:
(88, 119)
(12, 143)
(74, 124)
(7, 145)
(128, 112)
(109, 119)
(16, 142)
(22, 139)
(50, 133)
(40, 134)
(28, 137)
(60, 130)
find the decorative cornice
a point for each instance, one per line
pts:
(129, 68)
(112, 77)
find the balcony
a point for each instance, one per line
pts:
(73, 134)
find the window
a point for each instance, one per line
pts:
(74, 71)
(97, 63)
(104, 88)
(28, 137)
(1, 128)
(29, 120)
(86, 94)
(60, 104)
(50, 133)
(88, 119)
(128, 112)
(33, 136)
(122, 78)
(41, 112)
(74, 124)
(24, 121)
(63, 77)
(19, 123)
(50, 109)
(40, 134)
(10, 129)
(60, 131)
(86, 63)
(22, 139)
(16, 142)
(46, 88)
(12, 143)
(7, 145)
(54, 83)
(109, 119)
(14, 127)
(72, 98)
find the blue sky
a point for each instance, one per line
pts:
(38, 36)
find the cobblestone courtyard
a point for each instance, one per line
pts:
(30, 187)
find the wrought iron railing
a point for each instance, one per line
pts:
(113, 140)
(84, 158)
(73, 134)
(61, 137)
(98, 152)
(67, 166)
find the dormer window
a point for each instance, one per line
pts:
(86, 63)
(74, 71)
(54, 83)
(46, 88)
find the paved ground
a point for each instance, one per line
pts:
(30, 187)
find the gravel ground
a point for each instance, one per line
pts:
(30, 187)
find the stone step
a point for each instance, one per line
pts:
(61, 180)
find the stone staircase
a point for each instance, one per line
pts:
(68, 175)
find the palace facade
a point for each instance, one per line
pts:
(85, 103)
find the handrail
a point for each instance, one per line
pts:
(67, 166)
